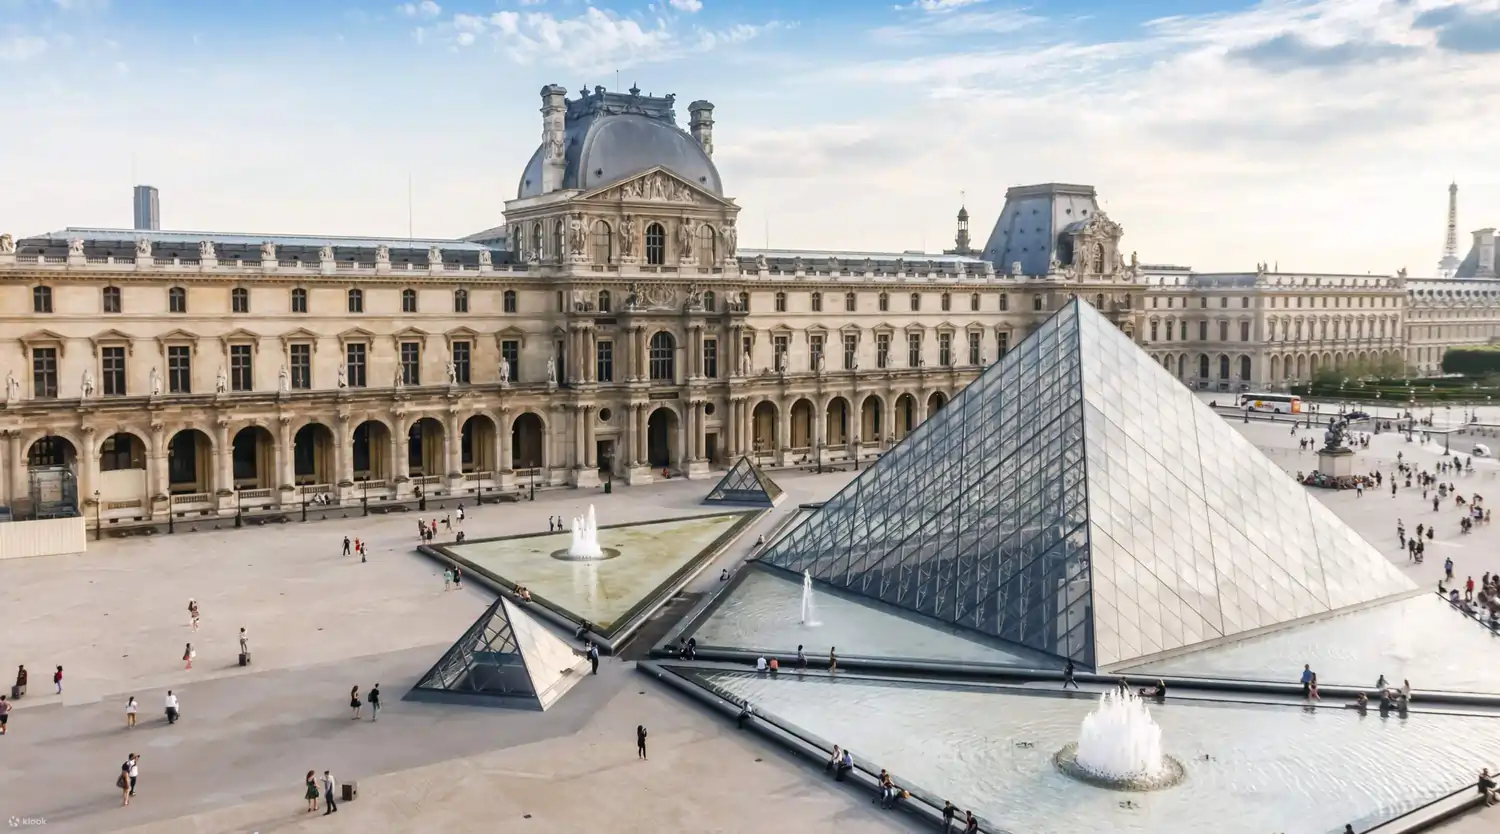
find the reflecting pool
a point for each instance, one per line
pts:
(600, 591)
(1269, 768)
(1421, 639)
(764, 612)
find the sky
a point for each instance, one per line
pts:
(1316, 135)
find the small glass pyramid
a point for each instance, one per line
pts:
(508, 656)
(745, 483)
(1078, 500)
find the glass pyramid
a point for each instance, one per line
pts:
(1076, 499)
(506, 655)
(745, 483)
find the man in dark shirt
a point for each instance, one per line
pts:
(374, 698)
(948, 813)
(971, 825)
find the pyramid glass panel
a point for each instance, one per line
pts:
(745, 483)
(505, 654)
(1077, 500)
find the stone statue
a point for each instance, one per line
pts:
(797, 265)
(685, 238)
(343, 376)
(382, 254)
(1401, 273)
(748, 367)
(627, 236)
(325, 253)
(485, 259)
(434, 256)
(1333, 438)
(268, 251)
(633, 297)
(283, 380)
(206, 250)
(1053, 265)
(695, 298)
(818, 364)
(75, 246)
(1134, 261)
(868, 265)
(504, 371)
(221, 382)
(155, 382)
(88, 383)
(577, 237)
(452, 373)
(143, 248)
(12, 386)
(551, 370)
(7, 244)
(834, 266)
(399, 381)
(731, 239)
(781, 363)
(761, 265)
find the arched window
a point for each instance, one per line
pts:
(536, 240)
(781, 302)
(708, 245)
(849, 303)
(916, 301)
(508, 301)
(974, 302)
(177, 300)
(239, 300)
(408, 301)
(356, 301)
(460, 301)
(885, 303)
(710, 301)
(1203, 365)
(1099, 301)
(1223, 367)
(745, 301)
(946, 303)
(656, 244)
(601, 243)
(41, 299)
(604, 301)
(817, 302)
(1036, 302)
(663, 357)
(1004, 302)
(1244, 369)
(1098, 264)
(559, 250)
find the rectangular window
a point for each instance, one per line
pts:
(44, 373)
(711, 358)
(849, 302)
(781, 350)
(239, 300)
(301, 367)
(945, 349)
(299, 302)
(510, 351)
(1002, 343)
(1223, 331)
(1202, 331)
(241, 368)
(974, 347)
(1153, 331)
(913, 350)
(851, 348)
(461, 362)
(112, 368)
(604, 361)
(41, 299)
(748, 369)
(179, 369)
(817, 302)
(356, 360)
(411, 363)
(815, 349)
(1244, 331)
(112, 303)
(882, 350)
(560, 350)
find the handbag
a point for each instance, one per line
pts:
(120, 782)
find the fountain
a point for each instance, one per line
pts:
(1119, 747)
(809, 609)
(585, 538)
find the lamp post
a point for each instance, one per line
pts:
(239, 508)
(304, 503)
(532, 495)
(98, 530)
(171, 516)
(364, 498)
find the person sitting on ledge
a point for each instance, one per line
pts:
(1159, 691)
(845, 765)
(887, 790)
(774, 666)
(833, 761)
(1361, 703)
(760, 664)
(747, 712)
(523, 593)
(1487, 787)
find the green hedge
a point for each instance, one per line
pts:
(1472, 360)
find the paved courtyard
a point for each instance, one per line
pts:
(319, 622)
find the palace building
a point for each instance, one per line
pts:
(611, 328)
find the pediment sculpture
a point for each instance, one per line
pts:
(657, 187)
(7, 244)
(325, 253)
(382, 254)
(435, 256)
(485, 258)
(760, 263)
(75, 246)
(206, 250)
(143, 248)
(268, 251)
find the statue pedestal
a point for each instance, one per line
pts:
(1336, 463)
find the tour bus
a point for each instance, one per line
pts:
(1279, 403)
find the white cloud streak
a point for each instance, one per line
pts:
(20, 48)
(688, 6)
(426, 9)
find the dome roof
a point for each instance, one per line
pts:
(611, 137)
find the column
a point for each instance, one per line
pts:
(697, 342)
(642, 455)
(784, 429)
(16, 461)
(400, 464)
(284, 454)
(731, 430)
(452, 446)
(590, 445)
(88, 464)
(735, 356)
(921, 408)
(225, 458)
(580, 417)
(343, 453)
(699, 422)
(504, 430)
(159, 463)
(642, 370)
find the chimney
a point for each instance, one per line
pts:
(554, 143)
(702, 124)
(1484, 245)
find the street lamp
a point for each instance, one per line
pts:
(364, 498)
(98, 530)
(532, 496)
(239, 508)
(303, 493)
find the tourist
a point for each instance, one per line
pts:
(172, 711)
(1469, 590)
(21, 676)
(887, 790)
(833, 659)
(1405, 692)
(460, 513)
(448, 579)
(374, 698)
(551, 524)
(311, 793)
(760, 663)
(5, 708)
(1307, 679)
(130, 708)
(458, 578)
(775, 667)
(640, 741)
(193, 613)
(845, 765)
(593, 658)
(354, 702)
(724, 575)
(134, 764)
(1123, 685)
(328, 788)
(747, 712)
(1361, 703)
(833, 761)
(1312, 689)
(123, 781)
(948, 813)
(801, 657)
(1487, 787)
(57, 679)
(188, 654)
(971, 825)
(1068, 676)
(244, 642)
(346, 545)
(459, 539)
(1447, 565)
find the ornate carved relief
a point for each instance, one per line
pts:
(656, 187)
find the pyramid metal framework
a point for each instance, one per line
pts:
(745, 483)
(1078, 500)
(505, 654)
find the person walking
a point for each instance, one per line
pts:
(329, 786)
(134, 764)
(57, 679)
(948, 813)
(193, 613)
(448, 579)
(593, 659)
(801, 657)
(1448, 568)
(354, 702)
(130, 708)
(833, 659)
(1068, 676)
(640, 741)
(458, 578)
(188, 654)
(346, 545)
(311, 793)
(5, 708)
(363, 554)
(172, 711)
(123, 782)
(244, 641)
(374, 698)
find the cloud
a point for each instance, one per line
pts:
(81, 5)
(939, 6)
(953, 21)
(424, 9)
(1461, 29)
(689, 6)
(22, 48)
(1289, 52)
